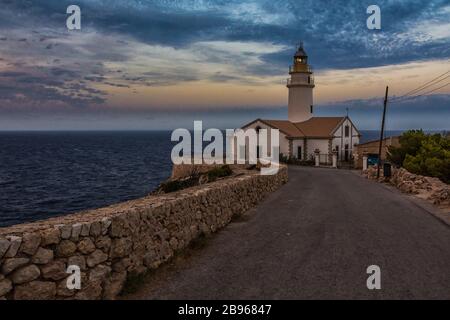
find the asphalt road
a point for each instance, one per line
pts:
(314, 239)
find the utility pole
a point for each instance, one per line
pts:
(382, 132)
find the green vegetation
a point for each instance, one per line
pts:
(424, 154)
(219, 172)
(175, 185)
(194, 179)
(292, 160)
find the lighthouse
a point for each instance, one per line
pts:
(303, 136)
(300, 85)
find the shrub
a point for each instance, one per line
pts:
(283, 158)
(176, 185)
(410, 143)
(423, 154)
(219, 172)
(194, 179)
(292, 160)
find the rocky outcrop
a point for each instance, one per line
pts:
(108, 244)
(428, 188)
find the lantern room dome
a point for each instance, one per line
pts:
(300, 62)
(301, 52)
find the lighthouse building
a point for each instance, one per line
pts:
(303, 135)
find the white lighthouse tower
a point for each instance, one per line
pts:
(301, 85)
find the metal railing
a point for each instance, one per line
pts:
(301, 68)
(290, 82)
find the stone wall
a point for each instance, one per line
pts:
(427, 188)
(110, 243)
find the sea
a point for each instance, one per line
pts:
(49, 174)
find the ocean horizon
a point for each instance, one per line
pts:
(45, 174)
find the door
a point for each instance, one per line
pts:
(346, 153)
(299, 152)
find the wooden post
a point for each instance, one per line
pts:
(382, 132)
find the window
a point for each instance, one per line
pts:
(257, 129)
(299, 152)
(347, 131)
(309, 79)
(312, 109)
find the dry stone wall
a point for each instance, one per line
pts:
(108, 244)
(427, 188)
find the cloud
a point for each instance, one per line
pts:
(335, 33)
(133, 46)
(45, 88)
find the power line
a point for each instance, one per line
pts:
(424, 86)
(428, 92)
(432, 84)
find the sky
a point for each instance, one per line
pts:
(158, 65)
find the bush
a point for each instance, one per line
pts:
(219, 172)
(410, 143)
(283, 158)
(194, 179)
(292, 160)
(427, 155)
(176, 185)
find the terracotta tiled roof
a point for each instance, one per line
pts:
(286, 127)
(316, 127)
(319, 126)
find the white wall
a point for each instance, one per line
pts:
(300, 97)
(322, 144)
(295, 145)
(313, 144)
(284, 143)
(340, 140)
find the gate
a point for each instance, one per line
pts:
(325, 159)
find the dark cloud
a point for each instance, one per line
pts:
(335, 32)
(51, 66)
(46, 88)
